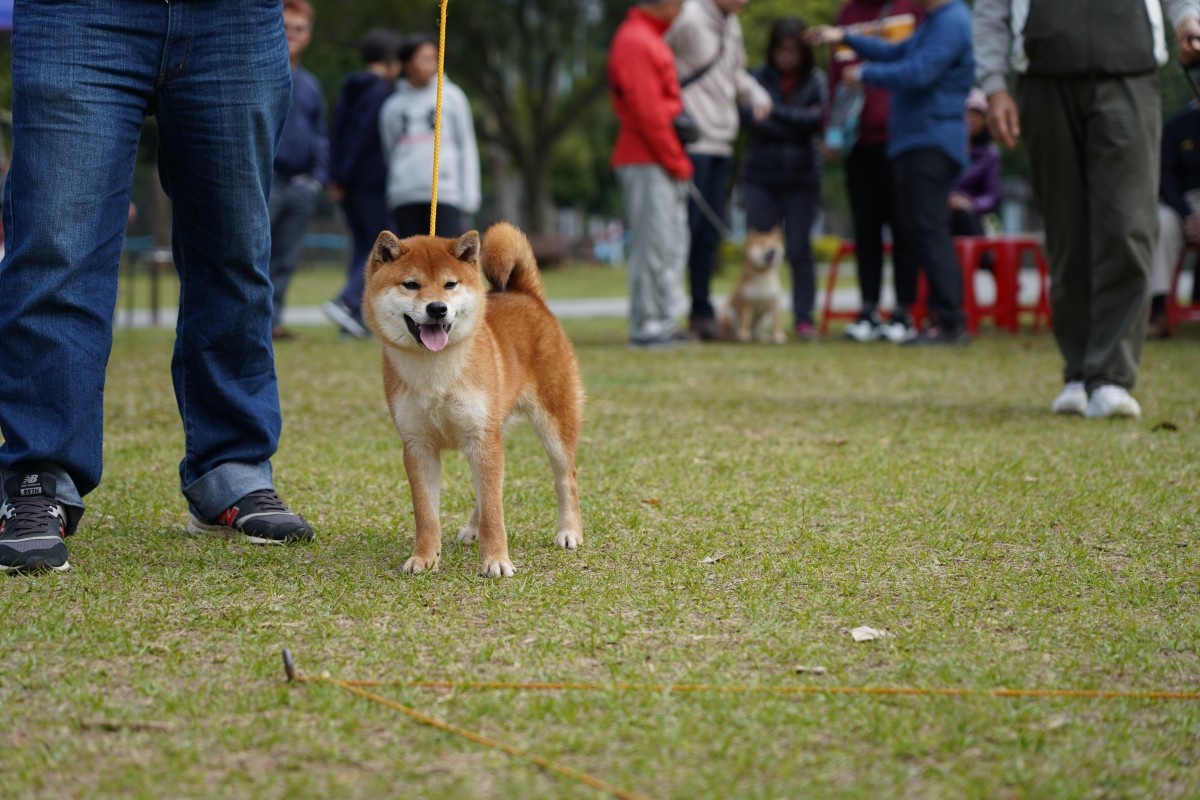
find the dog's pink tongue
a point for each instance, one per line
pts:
(434, 337)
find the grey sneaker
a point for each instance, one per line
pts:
(33, 526)
(261, 517)
(341, 315)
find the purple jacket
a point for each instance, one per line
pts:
(981, 179)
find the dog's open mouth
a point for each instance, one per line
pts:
(432, 337)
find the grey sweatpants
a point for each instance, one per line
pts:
(1093, 152)
(656, 207)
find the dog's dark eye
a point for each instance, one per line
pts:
(451, 284)
(412, 286)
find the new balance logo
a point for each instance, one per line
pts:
(29, 480)
(31, 485)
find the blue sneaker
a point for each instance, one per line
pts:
(33, 526)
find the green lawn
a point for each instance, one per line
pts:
(929, 493)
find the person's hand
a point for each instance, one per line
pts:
(828, 153)
(1191, 229)
(335, 192)
(1187, 36)
(762, 110)
(852, 76)
(1003, 119)
(961, 202)
(824, 34)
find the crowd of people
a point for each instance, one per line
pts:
(916, 92)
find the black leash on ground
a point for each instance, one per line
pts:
(712, 216)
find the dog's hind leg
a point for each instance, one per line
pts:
(470, 532)
(560, 448)
(424, 468)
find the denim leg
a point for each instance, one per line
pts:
(83, 77)
(217, 144)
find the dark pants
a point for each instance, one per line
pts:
(413, 220)
(712, 179)
(1093, 157)
(923, 180)
(965, 223)
(872, 205)
(768, 206)
(291, 207)
(366, 215)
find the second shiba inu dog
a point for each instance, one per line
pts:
(458, 362)
(755, 307)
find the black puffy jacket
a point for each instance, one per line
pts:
(785, 147)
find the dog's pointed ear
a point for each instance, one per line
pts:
(466, 247)
(386, 250)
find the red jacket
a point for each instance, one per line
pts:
(645, 94)
(892, 20)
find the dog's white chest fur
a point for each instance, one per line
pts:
(436, 408)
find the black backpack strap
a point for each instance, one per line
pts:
(700, 73)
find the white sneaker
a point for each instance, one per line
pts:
(1112, 401)
(896, 332)
(1072, 399)
(864, 329)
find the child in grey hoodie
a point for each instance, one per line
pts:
(406, 125)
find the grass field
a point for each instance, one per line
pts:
(926, 493)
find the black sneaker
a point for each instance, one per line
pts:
(261, 517)
(936, 335)
(32, 526)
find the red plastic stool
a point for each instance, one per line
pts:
(1179, 312)
(845, 248)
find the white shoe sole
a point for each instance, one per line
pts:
(225, 532)
(344, 321)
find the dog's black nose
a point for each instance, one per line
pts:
(436, 310)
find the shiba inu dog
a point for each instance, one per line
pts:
(754, 309)
(458, 362)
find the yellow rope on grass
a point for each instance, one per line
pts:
(437, 122)
(478, 738)
(1102, 694)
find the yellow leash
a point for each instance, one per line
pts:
(437, 123)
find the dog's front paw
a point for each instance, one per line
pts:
(419, 564)
(778, 337)
(468, 534)
(743, 336)
(569, 540)
(497, 568)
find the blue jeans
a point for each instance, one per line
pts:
(85, 74)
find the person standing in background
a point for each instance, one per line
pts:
(358, 168)
(710, 63)
(783, 161)
(1091, 121)
(869, 175)
(301, 162)
(652, 170)
(1178, 211)
(408, 126)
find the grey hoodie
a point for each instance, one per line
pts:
(695, 38)
(406, 127)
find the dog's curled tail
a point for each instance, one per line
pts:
(508, 261)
